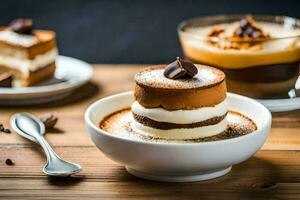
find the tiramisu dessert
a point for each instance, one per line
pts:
(182, 102)
(29, 55)
(260, 55)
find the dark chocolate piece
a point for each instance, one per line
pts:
(6, 79)
(8, 161)
(248, 28)
(49, 121)
(6, 130)
(190, 69)
(180, 69)
(21, 26)
(174, 70)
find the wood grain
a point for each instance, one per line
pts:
(267, 174)
(273, 173)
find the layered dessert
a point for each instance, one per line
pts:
(259, 55)
(167, 106)
(26, 53)
(180, 101)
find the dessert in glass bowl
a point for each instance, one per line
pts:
(259, 54)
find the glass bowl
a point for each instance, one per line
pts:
(260, 68)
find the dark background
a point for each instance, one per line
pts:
(141, 31)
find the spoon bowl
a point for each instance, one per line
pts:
(39, 125)
(61, 168)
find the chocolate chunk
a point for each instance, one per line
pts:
(239, 32)
(6, 79)
(9, 162)
(244, 23)
(174, 71)
(190, 69)
(249, 32)
(21, 26)
(248, 28)
(180, 69)
(49, 121)
(6, 130)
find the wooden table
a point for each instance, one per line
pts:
(274, 172)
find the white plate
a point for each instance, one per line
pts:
(74, 72)
(177, 162)
(281, 105)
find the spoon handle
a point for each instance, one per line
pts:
(50, 153)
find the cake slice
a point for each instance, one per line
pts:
(29, 54)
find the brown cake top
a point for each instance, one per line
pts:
(153, 77)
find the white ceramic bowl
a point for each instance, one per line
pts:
(178, 162)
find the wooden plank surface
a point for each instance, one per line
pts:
(268, 174)
(273, 172)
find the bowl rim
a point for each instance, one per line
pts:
(88, 121)
(182, 24)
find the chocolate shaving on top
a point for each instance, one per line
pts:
(249, 30)
(21, 26)
(247, 35)
(180, 69)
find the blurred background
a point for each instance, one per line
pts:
(124, 31)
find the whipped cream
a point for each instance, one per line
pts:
(18, 39)
(180, 134)
(27, 65)
(181, 116)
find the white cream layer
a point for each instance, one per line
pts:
(26, 65)
(181, 116)
(17, 39)
(181, 134)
